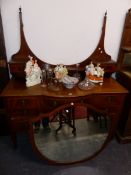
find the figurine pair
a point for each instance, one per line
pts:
(92, 70)
(94, 73)
(33, 72)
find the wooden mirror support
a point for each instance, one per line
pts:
(18, 60)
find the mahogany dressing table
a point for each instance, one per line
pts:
(25, 105)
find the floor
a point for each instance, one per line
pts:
(114, 159)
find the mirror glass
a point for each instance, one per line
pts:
(75, 134)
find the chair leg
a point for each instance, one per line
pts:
(67, 117)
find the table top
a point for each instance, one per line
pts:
(18, 88)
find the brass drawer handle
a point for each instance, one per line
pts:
(110, 99)
(23, 102)
(55, 103)
(25, 111)
(12, 118)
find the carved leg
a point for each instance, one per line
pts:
(45, 124)
(71, 120)
(60, 122)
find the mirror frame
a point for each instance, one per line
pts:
(50, 114)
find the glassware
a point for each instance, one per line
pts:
(77, 74)
(50, 76)
(43, 79)
(86, 84)
(51, 81)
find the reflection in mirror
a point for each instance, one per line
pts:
(71, 137)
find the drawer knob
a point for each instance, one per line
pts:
(23, 102)
(55, 103)
(110, 98)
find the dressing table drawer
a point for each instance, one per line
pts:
(112, 99)
(109, 102)
(48, 104)
(22, 106)
(100, 100)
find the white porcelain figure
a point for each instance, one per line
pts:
(60, 71)
(33, 72)
(94, 73)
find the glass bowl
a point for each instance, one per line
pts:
(69, 85)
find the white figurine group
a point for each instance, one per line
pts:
(33, 72)
(92, 70)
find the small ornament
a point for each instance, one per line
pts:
(60, 71)
(94, 73)
(33, 72)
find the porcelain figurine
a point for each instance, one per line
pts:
(94, 73)
(33, 72)
(60, 71)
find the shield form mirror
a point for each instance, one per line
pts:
(70, 137)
